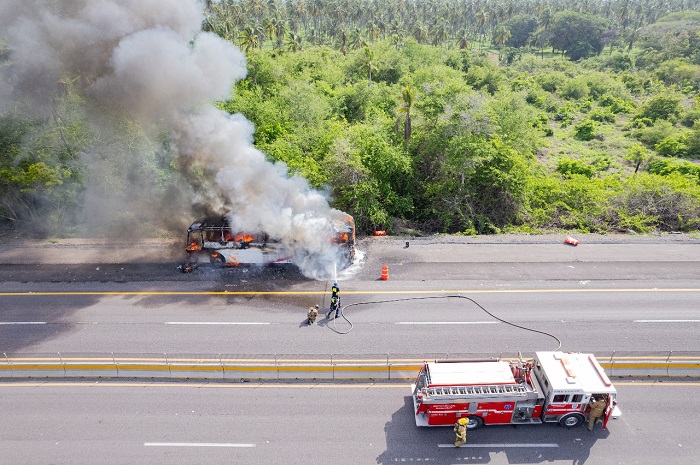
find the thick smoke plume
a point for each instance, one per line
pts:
(149, 61)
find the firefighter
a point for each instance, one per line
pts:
(335, 306)
(312, 314)
(335, 301)
(597, 405)
(460, 430)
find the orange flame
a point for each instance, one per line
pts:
(193, 246)
(244, 237)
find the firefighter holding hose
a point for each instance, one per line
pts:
(335, 301)
(312, 314)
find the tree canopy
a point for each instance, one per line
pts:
(417, 117)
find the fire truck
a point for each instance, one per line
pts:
(215, 240)
(554, 387)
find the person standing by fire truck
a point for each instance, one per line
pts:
(460, 430)
(598, 406)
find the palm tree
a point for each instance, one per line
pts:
(298, 10)
(280, 30)
(368, 63)
(500, 37)
(373, 31)
(343, 42)
(294, 42)
(464, 40)
(440, 34)
(268, 26)
(408, 97)
(396, 41)
(482, 20)
(249, 38)
(623, 14)
(260, 32)
(255, 8)
(356, 39)
(545, 20)
(419, 32)
(316, 11)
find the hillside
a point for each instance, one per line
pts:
(527, 119)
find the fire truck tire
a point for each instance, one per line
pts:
(475, 423)
(571, 420)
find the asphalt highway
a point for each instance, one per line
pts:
(146, 423)
(608, 295)
(400, 323)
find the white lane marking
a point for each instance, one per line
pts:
(22, 322)
(498, 446)
(195, 444)
(446, 323)
(216, 323)
(666, 321)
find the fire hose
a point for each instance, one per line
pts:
(457, 296)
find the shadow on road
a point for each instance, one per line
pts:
(407, 443)
(30, 320)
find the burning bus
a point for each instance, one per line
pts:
(215, 240)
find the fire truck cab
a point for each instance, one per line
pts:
(552, 387)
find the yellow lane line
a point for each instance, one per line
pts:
(288, 367)
(617, 361)
(121, 361)
(272, 368)
(233, 293)
(271, 385)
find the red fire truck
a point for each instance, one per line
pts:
(552, 387)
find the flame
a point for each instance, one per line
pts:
(233, 262)
(341, 237)
(244, 238)
(193, 247)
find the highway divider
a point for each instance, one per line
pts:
(335, 368)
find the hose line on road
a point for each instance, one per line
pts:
(342, 313)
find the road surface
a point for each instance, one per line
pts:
(89, 423)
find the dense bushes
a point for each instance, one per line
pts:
(435, 141)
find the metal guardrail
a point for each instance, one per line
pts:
(295, 367)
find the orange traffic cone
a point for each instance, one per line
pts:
(571, 240)
(385, 273)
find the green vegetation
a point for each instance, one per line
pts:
(441, 116)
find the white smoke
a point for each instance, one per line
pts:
(148, 60)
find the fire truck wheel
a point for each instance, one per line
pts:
(475, 423)
(571, 420)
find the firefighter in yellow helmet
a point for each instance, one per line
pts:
(460, 430)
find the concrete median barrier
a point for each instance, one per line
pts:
(653, 368)
(215, 368)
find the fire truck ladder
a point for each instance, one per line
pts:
(496, 389)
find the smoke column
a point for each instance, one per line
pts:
(149, 61)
